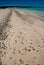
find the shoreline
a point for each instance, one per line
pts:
(33, 13)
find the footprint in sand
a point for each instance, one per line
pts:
(21, 61)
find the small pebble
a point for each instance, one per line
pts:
(10, 57)
(30, 42)
(25, 48)
(38, 45)
(4, 52)
(0, 63)
(21, 61)
(33, 49)
(29, 50)
(22, 42)
(18, 36)
(15, 41)
(38, 64)
(19, 51)
(30, 46)
(14, 49)
(37, 50)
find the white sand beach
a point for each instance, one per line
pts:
(21, 38)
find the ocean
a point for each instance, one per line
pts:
(33, 9)
(38, 11)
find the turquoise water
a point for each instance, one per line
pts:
(36, 9)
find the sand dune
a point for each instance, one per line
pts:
(24, 42)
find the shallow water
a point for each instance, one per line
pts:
(38, 11)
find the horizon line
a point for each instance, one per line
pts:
(5, 6)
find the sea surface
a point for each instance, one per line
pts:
(38, 11)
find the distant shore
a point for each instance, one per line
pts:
(20, 7)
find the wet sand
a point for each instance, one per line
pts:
(21, 38)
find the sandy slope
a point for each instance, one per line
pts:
(24, 44)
